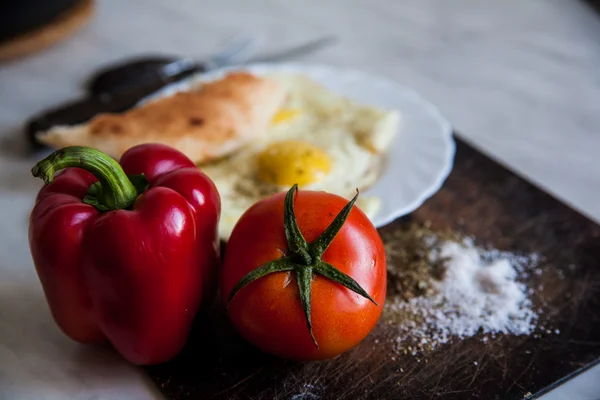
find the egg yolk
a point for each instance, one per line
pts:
(293, 161)
(284, 115)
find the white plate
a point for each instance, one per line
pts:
(422, 153)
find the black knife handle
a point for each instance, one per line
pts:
(141, 71)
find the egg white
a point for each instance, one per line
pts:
(353, 136)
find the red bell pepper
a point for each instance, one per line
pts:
(126, 252)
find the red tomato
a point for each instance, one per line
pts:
(268, 312)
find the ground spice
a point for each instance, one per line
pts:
(413, 259)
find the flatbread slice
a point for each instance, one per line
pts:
(207, 123)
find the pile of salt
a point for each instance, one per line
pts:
(476, 295)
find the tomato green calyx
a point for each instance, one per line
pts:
(296, 243)
(305, 259)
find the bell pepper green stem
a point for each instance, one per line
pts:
(117, 190)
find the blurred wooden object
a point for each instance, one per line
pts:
(67, 23)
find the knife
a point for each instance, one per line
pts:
(124, 98)
(141, 70)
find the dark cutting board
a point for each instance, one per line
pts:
(500, 210)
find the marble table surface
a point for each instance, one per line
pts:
(520, 79)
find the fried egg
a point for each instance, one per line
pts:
(317, 139)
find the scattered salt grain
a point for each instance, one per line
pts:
(479, 293)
